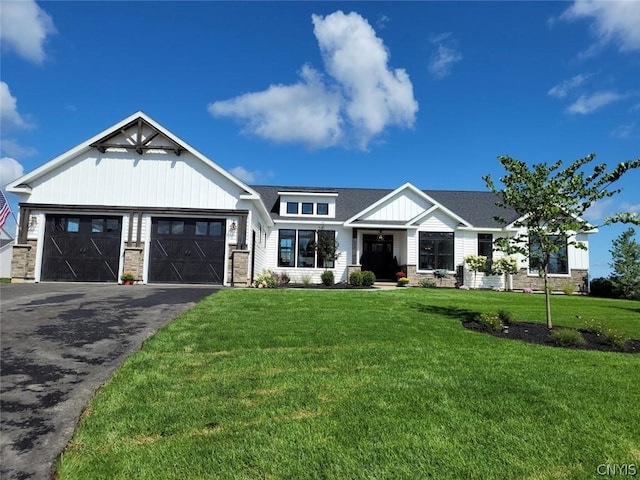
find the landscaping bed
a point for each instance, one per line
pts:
(538, 333)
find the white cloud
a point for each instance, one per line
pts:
(305, 112)
(375, 96)
(11, 148)
(612, 22)
(24, 27)
(361, 99)
(250, 176)
(10, 169)
(382, 22)
(443, 60)
(590, 103)
(9, 115)
(623, 131)
(562, 89)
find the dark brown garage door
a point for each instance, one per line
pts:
(81, 248)
(187, 250)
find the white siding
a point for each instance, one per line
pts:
(128, 179)
(405, 206)
(438, 221)
(297, 274)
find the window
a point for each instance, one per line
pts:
(485, 245)
(97, 225)
(436, 250)
(286, 244)
(322, 209)
(170, 227)
(303, 248)
(307, 208)
(292, 208)
(558, 261)
(212, 229)
(306, 248)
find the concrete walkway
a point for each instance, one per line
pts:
(60, 342)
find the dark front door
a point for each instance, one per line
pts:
(377, 256)
(81, 248)
(187, 250)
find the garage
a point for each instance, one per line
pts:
(81, 248)
(187, 250)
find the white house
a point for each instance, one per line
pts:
(137, 198)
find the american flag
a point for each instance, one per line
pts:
(4, 209)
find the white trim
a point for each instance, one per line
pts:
(309, 221)
(306, 194)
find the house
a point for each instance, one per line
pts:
(137, 198)
(6, 245)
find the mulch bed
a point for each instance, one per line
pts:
(539, 333)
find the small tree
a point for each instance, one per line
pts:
(476, 263)
(550, 203)
(504, 266)
(327, 246)
(625, 254)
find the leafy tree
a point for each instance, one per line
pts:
(625, 253)
(327, 246)
(476, 263)
(550, 202)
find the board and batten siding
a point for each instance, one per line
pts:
(127, 179)
(405, 206)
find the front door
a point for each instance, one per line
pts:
(377, 256)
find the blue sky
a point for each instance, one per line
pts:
(364, 94)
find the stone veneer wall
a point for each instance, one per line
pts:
(415, 277)
(578, 279)
(23, 265)
(238, 268)
(134, 260)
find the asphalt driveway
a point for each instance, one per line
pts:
(60, 342)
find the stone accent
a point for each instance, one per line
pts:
(134, 260)
(23, 265)
(415, 277)
(239, 268)
(578, 279)
(351, 269)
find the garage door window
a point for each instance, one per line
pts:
(211, 229)
(170, 227)
(66, 224)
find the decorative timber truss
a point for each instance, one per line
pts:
(140, 136)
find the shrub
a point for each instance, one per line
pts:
(368, 278)
(403, 281)
(355, 279)
(305, 280)
(400, 275)
(427, 283)
(527, 290)
(568, 289)
(281, 279)
(490, 321)
(567, 337)
(611, 335)
(266, 280)
(602, 287)
(327, 278)
(505, 316)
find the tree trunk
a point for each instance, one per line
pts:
(547, 298)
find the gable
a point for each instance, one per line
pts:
(134, 162)
(401, 207)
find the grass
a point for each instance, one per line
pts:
(350, 384)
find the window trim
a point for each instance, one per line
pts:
(453, 251)
(531, 271)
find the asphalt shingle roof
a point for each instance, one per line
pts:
(477, 208)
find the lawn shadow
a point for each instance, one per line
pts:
(457, 313)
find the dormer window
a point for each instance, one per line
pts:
(322, 209)
(307, 208)
(292, 208)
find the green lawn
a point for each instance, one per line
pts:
(358, 384)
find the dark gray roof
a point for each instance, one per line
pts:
(477, 208)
